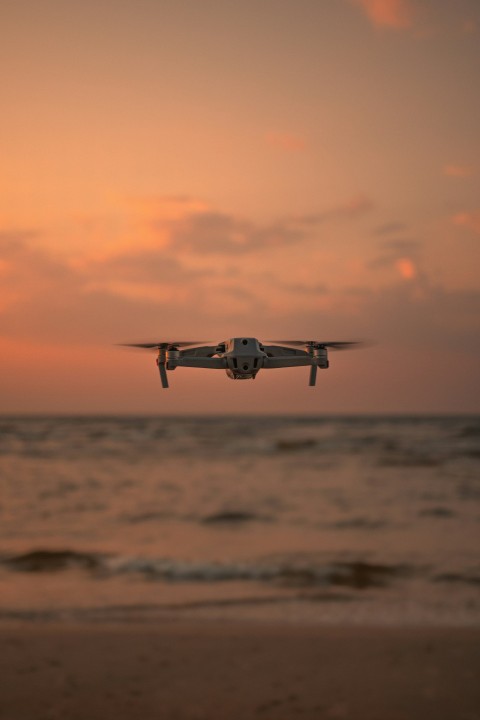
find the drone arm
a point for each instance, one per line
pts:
(201, 362)
(292, 361)
(203, 351)
(281, 351)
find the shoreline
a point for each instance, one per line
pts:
(214, 670)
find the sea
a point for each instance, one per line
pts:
(366, 520)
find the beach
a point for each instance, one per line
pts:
(204, 670)
(224, 568)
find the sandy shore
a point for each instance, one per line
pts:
(225, 671)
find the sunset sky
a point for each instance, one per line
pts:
(204, 169)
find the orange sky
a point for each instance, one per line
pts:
(211, 169)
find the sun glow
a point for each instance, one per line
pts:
(406, 268)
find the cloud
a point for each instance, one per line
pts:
(397, 14)
(469, 220)
(44, 297)
(13, 238)
(430, 316)
(27, 267)
(147, 274)
(403, 254)
(401, 246)
(458, 171)
(102, 304)
(407, 314)
(218, 233)
(352, 208)
(147, 266)
(117, 287)
(389, 228)
(306, 289)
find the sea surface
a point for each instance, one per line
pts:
(352, 520)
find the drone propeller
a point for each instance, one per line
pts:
(334, 345)
(163, 345)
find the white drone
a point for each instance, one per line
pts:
(242, 358)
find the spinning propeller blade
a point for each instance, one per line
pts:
(163, 345)
(334, 345)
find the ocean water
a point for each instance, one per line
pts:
(367, 520)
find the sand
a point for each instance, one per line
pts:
(221, 670)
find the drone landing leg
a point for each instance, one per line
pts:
(313, 375)
(163, 374)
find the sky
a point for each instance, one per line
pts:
(206, 169)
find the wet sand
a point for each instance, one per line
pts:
(205, 670)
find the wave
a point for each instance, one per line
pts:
(232, 517)
(145, 612)
(52, 561)
(401, 441)
(356, 574)
(467, 578)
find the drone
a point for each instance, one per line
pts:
(242, 358)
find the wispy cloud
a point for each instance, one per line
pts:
(470, 220)
(223, 234)
(457, 171)
(46, 297)
(150, 294)
(431, 316)
(401, 254)
(351, 208)
(27, 266)
(390, 228)
(211, 232)
(306, 289)
(164, 261)
(397, 14)
(392, 250)
(144, 266)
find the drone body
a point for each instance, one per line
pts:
(243, 357)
